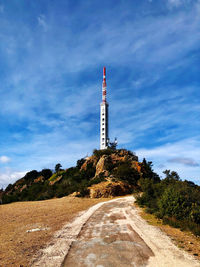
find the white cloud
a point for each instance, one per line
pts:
(152, 44)
(4, 159)
(184, 161)
(164, 155)
(10, 176)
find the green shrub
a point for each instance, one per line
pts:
(176, 202)
(100, 153)
(55, 175)
(125, 172)
(46, 173)
(80, 163)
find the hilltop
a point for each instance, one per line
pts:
(109, 173)
(106, 173)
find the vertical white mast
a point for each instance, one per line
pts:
(104, 116)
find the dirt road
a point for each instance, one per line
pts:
(113, 234)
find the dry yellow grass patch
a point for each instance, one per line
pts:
(17, 246)
(184, 240)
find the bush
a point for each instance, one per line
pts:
(176, 202)
(32, 175)
(46, 173)
(80, 163)
(97, 180)
(125, 172)
(55, 175)
(100, 153)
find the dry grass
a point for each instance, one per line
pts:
(17, 246)
(184, 240)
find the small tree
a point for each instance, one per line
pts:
(171, 176)
(147, 171)
(58, 167)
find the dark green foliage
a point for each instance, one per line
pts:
(100, 153)
(30, 176)
(46, 173)
(175, 201)
(125, 172)
(109, 164)
(89, 172)
(147, 171)
(97, 180)
(8, 188)
(80, 163)
(58, 167)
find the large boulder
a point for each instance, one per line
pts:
(101, 166)
(110, 189)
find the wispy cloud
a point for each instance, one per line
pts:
(50, 83)
(4, 159)
(184, 161)
(10, 177)
(172, 154)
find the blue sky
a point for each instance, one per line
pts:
(51, 59)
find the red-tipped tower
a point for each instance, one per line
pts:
(104, 85)
(104, 139)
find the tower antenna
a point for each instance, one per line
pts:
(104, 139)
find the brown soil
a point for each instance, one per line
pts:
(184, 240)
(17, 246)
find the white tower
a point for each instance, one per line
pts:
(104, 140)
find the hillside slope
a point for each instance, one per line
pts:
(106, 173)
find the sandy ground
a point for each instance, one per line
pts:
(112, 234)
(26, 227)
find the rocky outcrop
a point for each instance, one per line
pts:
(110, 189)
(89, 160)
(101, 166)
(107, 172)
(108, 162)
(58, 178)
(39, 179)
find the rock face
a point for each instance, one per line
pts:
(106, 166)
(101, 166)
(110, 189)
(104, 163)
(89, 161)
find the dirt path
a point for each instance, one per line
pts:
(113, 234)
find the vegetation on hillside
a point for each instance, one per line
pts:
(58, 183)
(174, 201)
